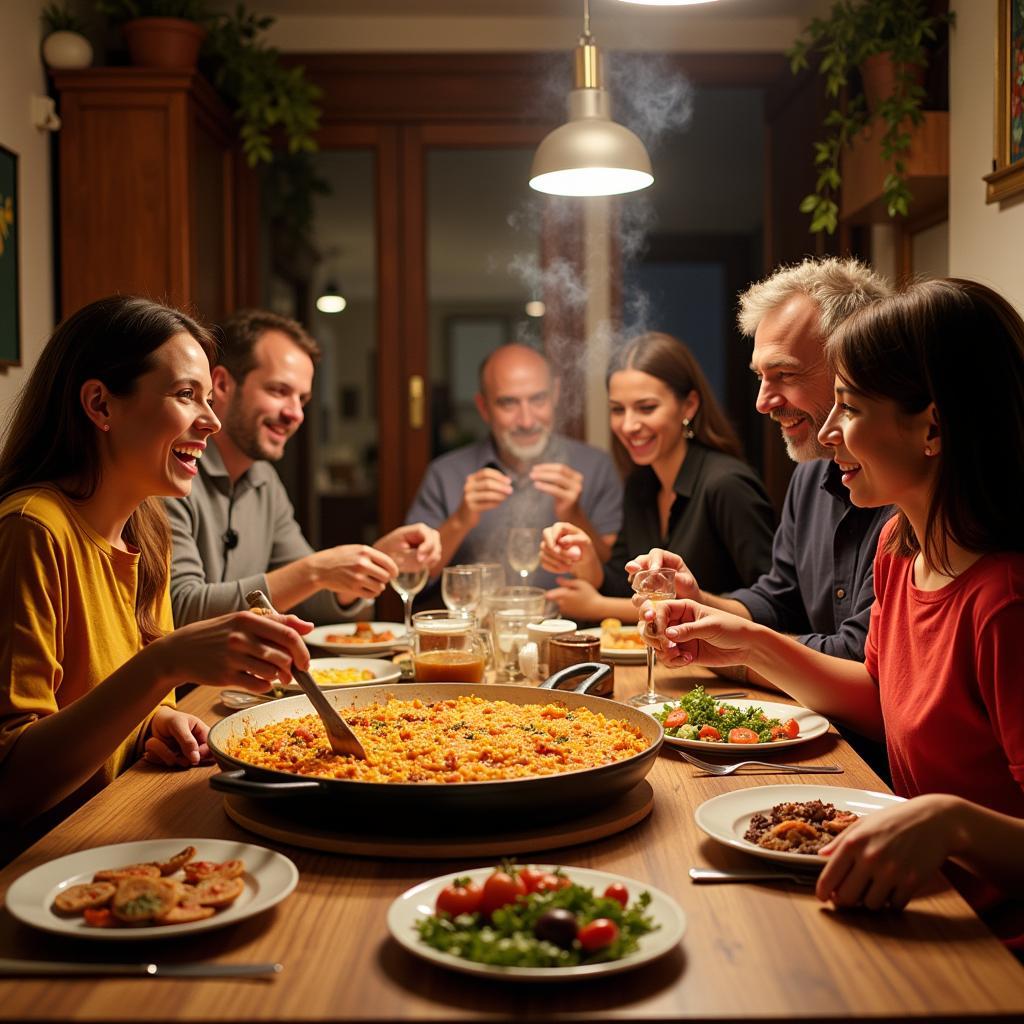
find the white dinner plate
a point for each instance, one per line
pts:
(418, 902)
(383, 672)
(637, 657)
(726, 818)
(318, 638)
(812, 725)
(269, 877)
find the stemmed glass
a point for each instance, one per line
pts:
(407, 585)
(492, 579)
(523, 549)
(460, 588)
(653, 585)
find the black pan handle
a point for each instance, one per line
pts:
(236, 782)
(597, 673)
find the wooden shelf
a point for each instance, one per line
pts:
(927, 162)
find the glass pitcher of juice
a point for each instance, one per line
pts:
(447, 647)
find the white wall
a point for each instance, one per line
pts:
(21, 77)
(985, 242)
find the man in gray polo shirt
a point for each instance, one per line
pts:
(236, 531)
(523, 474)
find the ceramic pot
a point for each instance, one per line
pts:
(67, 50)
(168, 43)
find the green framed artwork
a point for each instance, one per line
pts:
(1007, 177)
(10, 318)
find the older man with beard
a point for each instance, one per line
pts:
(523, 474)
(820, 586)
(236, 531)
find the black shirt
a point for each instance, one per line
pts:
(721, 522)
(820, 586)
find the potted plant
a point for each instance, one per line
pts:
(882, 39)
(160, 33)
(64, 45)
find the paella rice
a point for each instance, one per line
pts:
(464, 739)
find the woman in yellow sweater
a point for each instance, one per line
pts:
(115, 415)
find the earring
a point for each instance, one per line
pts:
(106, 427)
(928, 449)
(687, 429)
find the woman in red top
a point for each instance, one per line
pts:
(928, 416)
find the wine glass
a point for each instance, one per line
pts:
(523, 549)
(492, 579)
(460, 588)
(653, 585)
(407, 585)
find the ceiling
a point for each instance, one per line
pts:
(529, 8)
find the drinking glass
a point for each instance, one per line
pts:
(510, 635)
(523, 549)
(407, 585)
(460, 587)
(492, 579)
(654, 585)
(447, 647)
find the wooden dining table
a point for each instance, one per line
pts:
(750, 952)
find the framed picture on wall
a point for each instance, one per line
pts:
(10, 305)
(1007, 177)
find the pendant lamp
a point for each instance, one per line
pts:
(590, 155)
(330, 300)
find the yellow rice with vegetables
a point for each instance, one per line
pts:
(466, 739)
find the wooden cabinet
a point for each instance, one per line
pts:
(146, 185)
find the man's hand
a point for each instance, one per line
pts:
(563, 546)
(353, 571)
(659, 558)
(563, 483)
(413, 547)
(176, 739)
(485, 489)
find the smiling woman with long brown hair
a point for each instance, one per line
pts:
(114, 415)
(687, 489)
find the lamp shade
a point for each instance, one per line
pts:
(590, 155)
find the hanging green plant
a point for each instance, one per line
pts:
(854, 33)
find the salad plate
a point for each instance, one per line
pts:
(626, 655)
(812, 725)
(726, 818)
(269, 877)
(418, 902)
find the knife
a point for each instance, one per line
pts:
(26, 968)
(705, 875)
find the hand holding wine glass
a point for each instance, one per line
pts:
(653, 585)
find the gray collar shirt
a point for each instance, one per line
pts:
(440, 494)
(210, 575)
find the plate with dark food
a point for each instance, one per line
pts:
(787, 823)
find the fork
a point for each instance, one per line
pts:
(728, 769)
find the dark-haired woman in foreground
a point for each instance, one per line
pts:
(688, 488)
(114, 415)
(928, 416)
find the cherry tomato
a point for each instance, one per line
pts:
(676, 718)
(618, 892)
(531, 876)
(462, 896)
(500, 890)
(719, 711)
(742, 735)
(792, 728)
(550, 882)
(779, 732)
(99, 917)
(708, 732)
(557, 926)
(597, 934)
